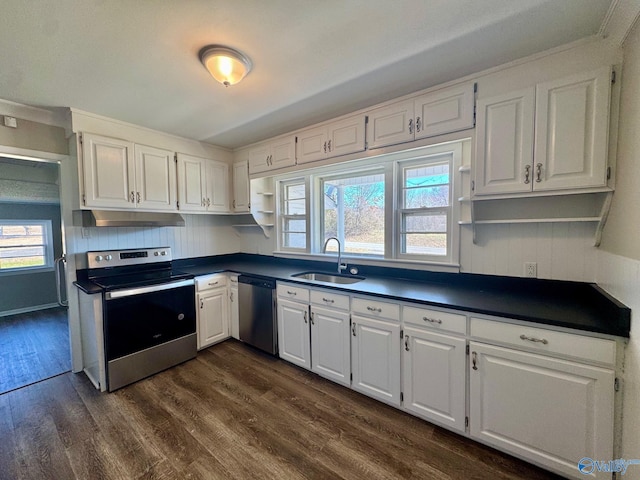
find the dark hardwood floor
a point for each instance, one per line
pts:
(232, 413)
(33, 346)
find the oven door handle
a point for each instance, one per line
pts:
(129, 292)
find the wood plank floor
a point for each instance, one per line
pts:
(232, 413)
(33, 346)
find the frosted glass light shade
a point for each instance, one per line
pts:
(226, 65)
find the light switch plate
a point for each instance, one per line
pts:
(10, 122)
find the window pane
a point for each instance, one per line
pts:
(294, 191)
(19, 257)
(426, 244)
(17, 235)
(354, 212)
(426, 197)
(295, 240)
(294, 207)
(425, 223)
(426, 175)
(293, 203)
(295, 225)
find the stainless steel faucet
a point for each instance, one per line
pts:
(341, 266)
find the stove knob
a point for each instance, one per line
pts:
(156, 253)
(163, 253)
(98, 258)
(108, 258)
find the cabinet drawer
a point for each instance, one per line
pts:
(206, 282)
(578, 346)
(375, 308)
(425, 317)
(298, 294)
(330, 299)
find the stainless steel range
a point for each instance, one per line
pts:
(149, 315)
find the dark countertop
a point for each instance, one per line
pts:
(581, 306)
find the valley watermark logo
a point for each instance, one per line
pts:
(588, 465)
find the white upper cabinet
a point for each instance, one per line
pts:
(278, 153)
(155, 178)
(119, 174)
(338, 138)
(202, 184)
(241, 198)
(108, 172)
(443, 111)
(570, 118)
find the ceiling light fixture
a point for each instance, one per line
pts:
(226, 65)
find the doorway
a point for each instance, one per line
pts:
(34, 322)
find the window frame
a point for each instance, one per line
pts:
(282, 217)
(47, 228)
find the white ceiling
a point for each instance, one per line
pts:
(136, 61)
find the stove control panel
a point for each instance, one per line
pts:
(121, 258)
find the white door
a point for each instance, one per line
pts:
(330, 344)
(391, 125)
(434, 377)
(553, 412)
(156, 187)
(504, 143)
(240, 187)
(234, 313)
(192, 187)
(311, 145)
(109, 172)
(346, 136)
(294, 342)
(444, 111)
(375, 354)
(572, 123)
(217, 186)
(213, 317)
(283, 153)
(259, 158)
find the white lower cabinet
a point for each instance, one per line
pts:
(375, 356)
(234, 312)
(433, 377)
(213, 309)
(294, 342)
(550, 411)
(330, 345)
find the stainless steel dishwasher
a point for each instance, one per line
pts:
(257, 307)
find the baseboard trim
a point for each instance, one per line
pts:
(35, 308)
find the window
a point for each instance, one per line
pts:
(25, 245)
(293, 215)
(353, 210)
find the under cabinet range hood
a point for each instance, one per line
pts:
(108, 218)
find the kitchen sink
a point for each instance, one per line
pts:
(328, 278)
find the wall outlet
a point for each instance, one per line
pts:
(531, 269)
(86, 233)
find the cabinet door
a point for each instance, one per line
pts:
(213, 317)
(156, 187)
(192, 189)
(434, 377)
(108, 171)
(375, 354)
(240, 187)
(444, 111)
(234, 313)
(217, 186)
(311, 145)
(283, 153)
(572, 122)
(550, 411)
(504, 143)
(346, 136)
(391, 125)
(259, 158)
(294, 342)
(331, 344)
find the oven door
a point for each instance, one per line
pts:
(140, 318)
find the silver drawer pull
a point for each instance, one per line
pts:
(291, 293)
(212, 284)
(373, 309)
(543, 341)
(432, 320)
(328, 300)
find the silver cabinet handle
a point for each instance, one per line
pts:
(418, 124)
(325, 147)
(137, 197)
(311, 318)
(212, 284)
(406, 343)
(231, 296)
(353, 329)
(132, 197)
(305, 316)
(328, 300)
(204, 202)
(201, 303)
(271, 160)
(208, 202)
(373, 309)
(474, 360)
(432, 320)
(329, 145)
(543, 341)
(539, 173)
(411, 125)
(291, 293)
(234, 204)
(527, 173)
